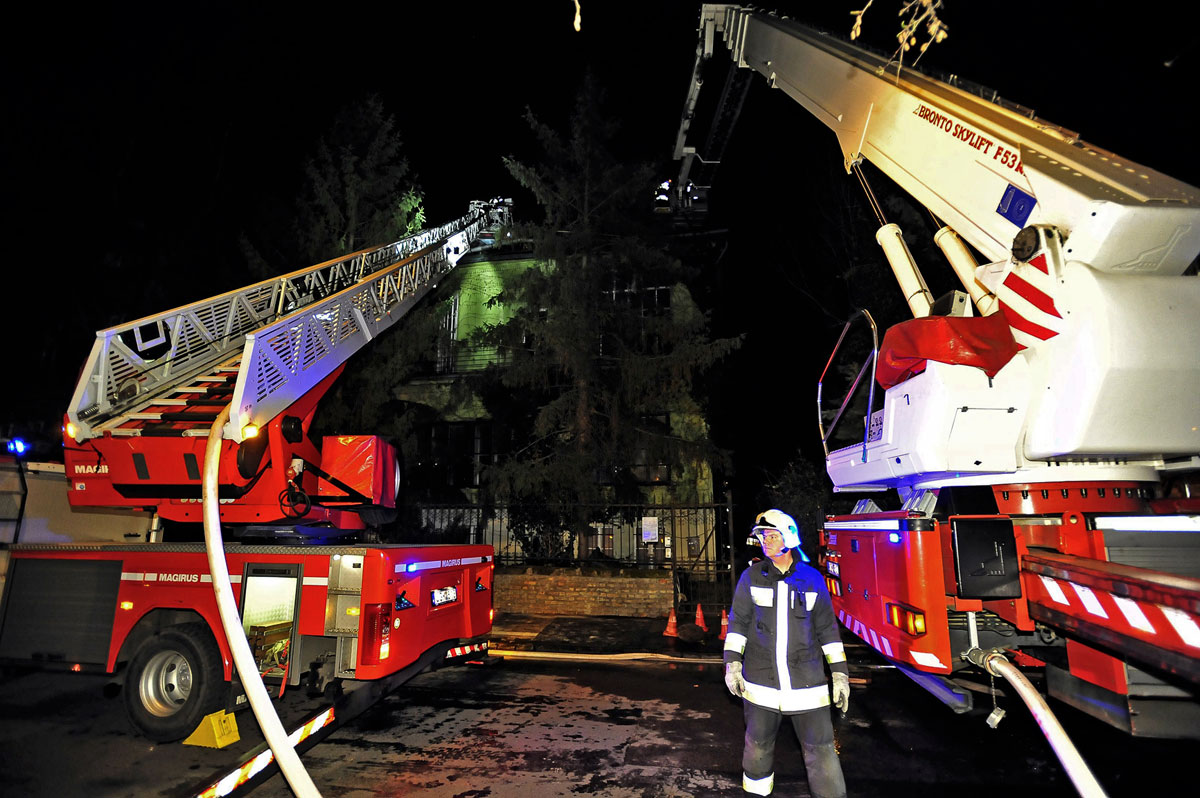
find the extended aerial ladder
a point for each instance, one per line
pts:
(203, 414)
(1045, 482)
(150, 389)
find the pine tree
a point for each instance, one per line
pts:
(606, 341)
(358, 190)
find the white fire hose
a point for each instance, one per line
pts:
(260, 700)
(1081, 776)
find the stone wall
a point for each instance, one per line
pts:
(576, 591)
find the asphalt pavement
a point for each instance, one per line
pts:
(614, 637)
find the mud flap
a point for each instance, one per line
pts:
(236, 700)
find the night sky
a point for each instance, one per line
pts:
(140, 142)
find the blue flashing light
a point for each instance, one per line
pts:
(17, 446)
(893, 537)
(859, 525)
(412, 566)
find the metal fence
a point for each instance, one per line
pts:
(691, 541)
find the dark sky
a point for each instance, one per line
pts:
(140, 141)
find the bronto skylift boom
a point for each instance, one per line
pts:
(1039, 451)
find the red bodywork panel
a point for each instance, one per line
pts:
(415, 573)
(166, 471)
(1067, 583)
(176, 577)
(1057, 498)
(874, 571)
(364, 463)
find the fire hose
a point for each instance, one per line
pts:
(256, 692)
(995, 663)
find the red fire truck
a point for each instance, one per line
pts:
(318, 601)
(1032, 479)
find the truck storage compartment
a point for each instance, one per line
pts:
(59, 610)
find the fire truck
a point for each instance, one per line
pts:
(1029, 451)
(232, 384)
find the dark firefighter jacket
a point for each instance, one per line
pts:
(781, 627)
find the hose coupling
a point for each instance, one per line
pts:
(984, 659)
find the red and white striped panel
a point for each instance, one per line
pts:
(1026, 296)
(868, 635)
(925, 660)
(459, 651)
(1172, 628)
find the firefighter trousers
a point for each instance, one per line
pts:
(814, 729)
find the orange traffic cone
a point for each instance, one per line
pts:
(700, 618)
(671, 630)
(724, 625)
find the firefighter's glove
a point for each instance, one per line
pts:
(733, 678)
(841, 691)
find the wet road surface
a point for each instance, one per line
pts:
(531, 728)
(527, 729)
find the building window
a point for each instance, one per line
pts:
(447, 338)
(597, 541)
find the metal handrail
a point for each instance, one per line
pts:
(825, 436)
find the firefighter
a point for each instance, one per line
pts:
(780, 625)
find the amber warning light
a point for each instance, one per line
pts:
(906, 620)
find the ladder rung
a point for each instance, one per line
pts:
(196, 417)
(186, 403)
(206, 390)
(171, 416)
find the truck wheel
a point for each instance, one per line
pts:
(174, 680)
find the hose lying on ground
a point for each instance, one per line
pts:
(1081, 776)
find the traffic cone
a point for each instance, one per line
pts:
(724, 625)
(700, 618)
(671, 630)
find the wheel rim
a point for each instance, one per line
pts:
(165, 683)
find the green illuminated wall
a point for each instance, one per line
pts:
(478, 282)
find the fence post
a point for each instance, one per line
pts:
(729, 525)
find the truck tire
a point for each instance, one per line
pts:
(174, 680)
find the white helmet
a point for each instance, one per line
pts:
(784, 524)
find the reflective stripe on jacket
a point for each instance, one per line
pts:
(781, 626)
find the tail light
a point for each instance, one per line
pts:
(834, 585)
(375, 626)
(906, 619)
